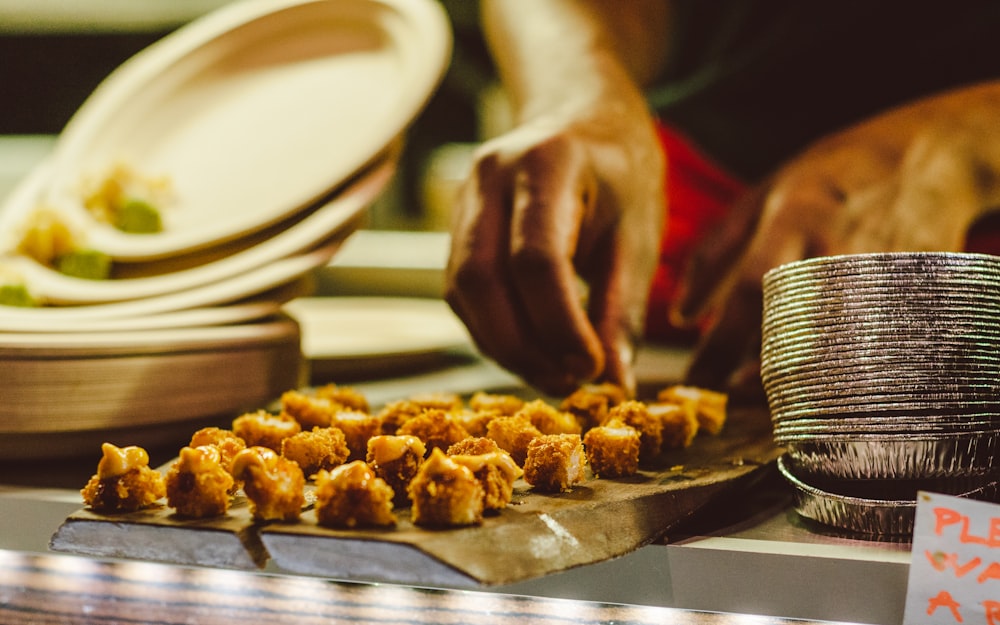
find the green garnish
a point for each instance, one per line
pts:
(17, 295)
(87, 264)
(137, 216)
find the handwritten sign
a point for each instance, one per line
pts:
(955, 566)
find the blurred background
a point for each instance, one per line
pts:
(55, 52)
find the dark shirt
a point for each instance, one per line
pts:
(752, 82)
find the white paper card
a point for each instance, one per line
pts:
(955, 564)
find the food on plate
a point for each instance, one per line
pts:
(357, 427)
(199, 484)
(123, 482)
(555, 462)
(709, 406)
(226, 441)
(309, 410)
(590, 403)
(396, 459)
(128, 200)
(265, 429)
(612, 450)
(496, 472)
(439, 400)
(17, 294)
(500, 403)
(680, 425)
(445, 493)
(352, 495)
(513, 435)
(316, 449)
(634, 413)
(549, 419)
(437, 428)
(395, 413)
(344, 396)
(48, 238)
(86, 264)
(274, 485)
(473, 446)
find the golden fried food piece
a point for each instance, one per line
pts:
(549, 419)
(475, 422)
(351, 495)
(635, 414)
(555, 462)
(357, 427)
(344, 396)
(265, 429)
(309, 410)
(319, 448)
(709, 406)
(123, 482)
(497, 472)
(680, 424)
(227, 442)
(199, 484)
(501, 403)
(437, 428)
(274, 485)
(449, 402)
(612, 449)
(394, 414)
(396, 459)
(473, 446)
(513, 434)
(590, 403)
(445, 493)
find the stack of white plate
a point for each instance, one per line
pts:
(276, 123)
(882, 374)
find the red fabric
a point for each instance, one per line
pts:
(699, 193)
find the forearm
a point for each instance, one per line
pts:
(560, 54)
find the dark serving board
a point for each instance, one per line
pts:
(537, 534)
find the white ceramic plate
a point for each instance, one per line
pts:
(254, 112)
(337, 218)
(278, 281)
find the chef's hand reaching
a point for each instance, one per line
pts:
(556, 232)
(911, 179)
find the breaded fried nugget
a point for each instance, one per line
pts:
(319, 448)
(274, 485)
(199, 484)
(396, 459)
(445, 493)
(473, 446)
(357, 427)
(497, 472)
(436, 428)
(475, 422)
(264, 429)
(612, 450)
(123, 482)
(590, 403)
(501, 403)
(226, 441)
(513, 434)
(680, 425)
(549, 419)
(449, 402)
(351, 495)
(346, 397)
(309, 410)
(635, 413)
(555, 462)
(394, 414)
(709, 406)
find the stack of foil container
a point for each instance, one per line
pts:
(882, 375)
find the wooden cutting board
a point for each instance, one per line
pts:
(537, 534)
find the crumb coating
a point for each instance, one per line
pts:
(437, 428)
(123, 482)
(396, 459)
(351, 495)
(555, 462)
(274, 485)
(319, 448)
(513, 435)
(445, 494)
(264, 429)
(612, 450)
(199, 485)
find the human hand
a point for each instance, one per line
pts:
(554, 244)
(910, 180)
